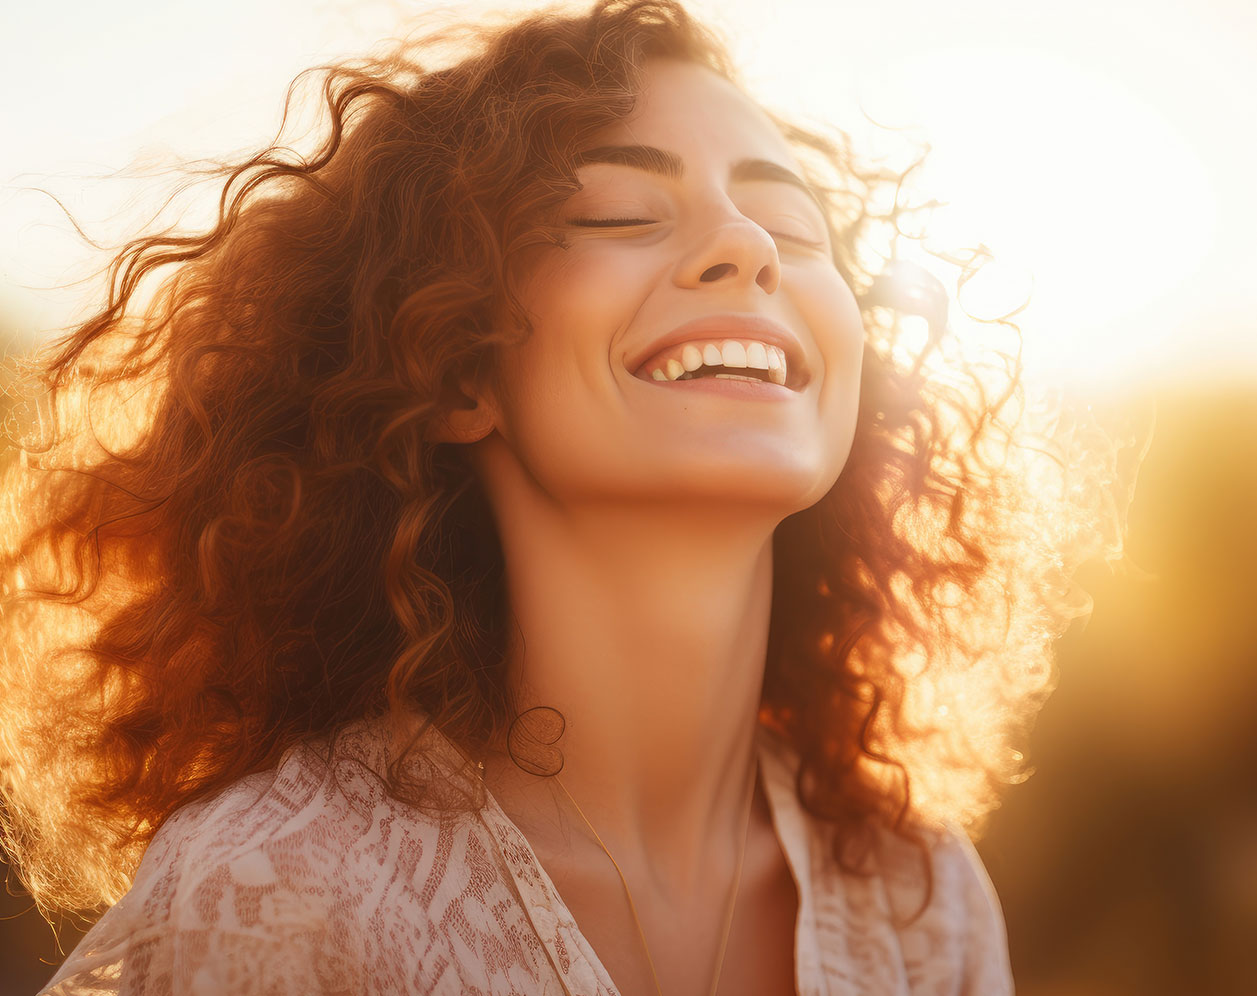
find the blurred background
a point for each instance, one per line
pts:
(1105, 153)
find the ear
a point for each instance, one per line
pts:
(469, 413)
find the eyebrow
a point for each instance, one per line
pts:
(670, 165)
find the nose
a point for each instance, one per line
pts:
(735, 250)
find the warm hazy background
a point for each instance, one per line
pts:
(1106, 152)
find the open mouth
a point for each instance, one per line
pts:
(724, 359)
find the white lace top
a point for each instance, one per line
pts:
(310, 879)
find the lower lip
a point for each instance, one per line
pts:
(748, 389)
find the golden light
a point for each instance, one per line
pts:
(1100, 151)
(1090, 199)
(1105, 167)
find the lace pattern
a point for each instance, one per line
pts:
(311, 879)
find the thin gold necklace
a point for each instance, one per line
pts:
(733, 898)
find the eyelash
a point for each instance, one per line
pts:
(617, 222)
(628, 222)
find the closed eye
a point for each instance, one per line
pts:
(610, 222)
(798, 240)
(630, 222)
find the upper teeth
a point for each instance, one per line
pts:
(747, 353)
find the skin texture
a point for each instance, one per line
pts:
(636, 520)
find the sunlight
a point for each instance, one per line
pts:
(1110, 173)
(1096, 173)
(1078, 187)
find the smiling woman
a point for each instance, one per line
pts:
(532, 568)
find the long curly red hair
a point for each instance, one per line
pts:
(228, 531)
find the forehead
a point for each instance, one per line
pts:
(693, 111)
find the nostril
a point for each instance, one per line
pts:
(718, 271)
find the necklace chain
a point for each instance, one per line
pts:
(733, 897)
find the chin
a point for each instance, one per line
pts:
(783, 486)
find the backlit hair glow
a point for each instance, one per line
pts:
(225, 531)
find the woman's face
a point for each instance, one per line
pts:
(702, 251)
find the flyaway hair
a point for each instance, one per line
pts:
(226, 529)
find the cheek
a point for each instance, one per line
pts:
(582, 300)
(834, 315)
(558, 303)
(578, 303)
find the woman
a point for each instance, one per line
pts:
(536, 565)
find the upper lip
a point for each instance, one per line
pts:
(733, 325)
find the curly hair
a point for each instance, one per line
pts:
(227, 529)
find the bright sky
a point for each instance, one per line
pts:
(1103, 149)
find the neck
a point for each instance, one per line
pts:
(647, 631)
